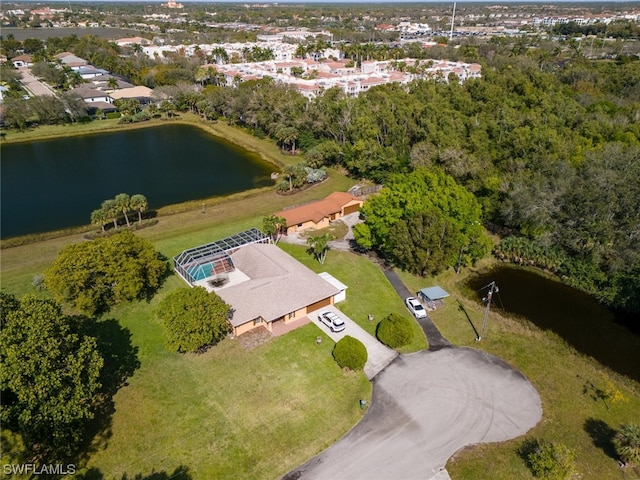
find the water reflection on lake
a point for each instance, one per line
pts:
(575, 316)
(54, 184)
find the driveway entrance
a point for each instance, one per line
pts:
(379, 356)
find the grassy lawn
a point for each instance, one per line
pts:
(232, 413)
(369, 290)
(337, 230)
(229, 413)
(235, 413)
(561, 375)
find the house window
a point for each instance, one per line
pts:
(291, 315)
(257, 321)
(299, 225)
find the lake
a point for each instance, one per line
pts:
(54, 184)
(575, 316)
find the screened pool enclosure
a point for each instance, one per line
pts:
(214, 259)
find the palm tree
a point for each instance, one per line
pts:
(319, 246)
(627, 443)
(99, 217)
(112, 83)
(111, 211)
(123, 202)
(288, 136)
(140, 204)
(274, 226)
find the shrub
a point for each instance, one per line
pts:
(627, 443)
(315, 175)
(350, 353)
(395, 331)
(547, 460)
(194, 319)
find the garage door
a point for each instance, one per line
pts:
(318, 305)
(351, 209)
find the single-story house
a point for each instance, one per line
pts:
(319, 214)
(88, 71)
(129, 41)
(274, 287)
(70, 60)
(92, 95)
(24, 60)
(141, 93)
(262, 284)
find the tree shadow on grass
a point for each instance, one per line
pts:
(120, 362)
(180, 473)
(601, 435)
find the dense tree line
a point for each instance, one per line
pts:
(540, 143)
(547, 141)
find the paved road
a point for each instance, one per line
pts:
(425, 407)
(379, 356)
(434, 338)
(33, 85)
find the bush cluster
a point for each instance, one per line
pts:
(395, 331)
(350, 353)
(548, 460)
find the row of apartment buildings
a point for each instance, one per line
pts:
(324, 70)
(319, 76)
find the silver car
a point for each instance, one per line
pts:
(331, 320)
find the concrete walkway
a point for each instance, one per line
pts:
(426, 407)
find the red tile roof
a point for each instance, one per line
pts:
(316, 211)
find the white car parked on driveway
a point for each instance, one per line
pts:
(415, 307)
(331, 320)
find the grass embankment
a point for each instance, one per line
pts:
(562, 377)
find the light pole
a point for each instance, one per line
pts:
(492, 288)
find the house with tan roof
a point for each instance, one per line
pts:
(24, 60)
(320, 213)
(265, 286)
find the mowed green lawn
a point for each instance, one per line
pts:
(233, 413)
(368, 292)
(561, 376)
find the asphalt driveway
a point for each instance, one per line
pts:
(379, 356)
(425, 407)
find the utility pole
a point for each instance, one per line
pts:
(493, 288)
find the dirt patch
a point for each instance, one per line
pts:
(254, 338)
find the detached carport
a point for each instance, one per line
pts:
(433, 297)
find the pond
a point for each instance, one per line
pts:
(55, 184)
(575, 316)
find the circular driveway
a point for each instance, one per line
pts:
(425, 407)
